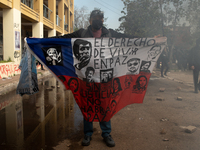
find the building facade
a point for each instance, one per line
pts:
(33, 18)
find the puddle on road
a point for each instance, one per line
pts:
(39, 121)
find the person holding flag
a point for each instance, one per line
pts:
(93, 63)
(96, 30)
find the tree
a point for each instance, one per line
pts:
(81, 18)
(142, 18)
(193, 11)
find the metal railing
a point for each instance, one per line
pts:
(58, 20)
(28, 3)
(46, 12)
(66, 27)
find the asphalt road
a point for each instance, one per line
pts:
(153, 125)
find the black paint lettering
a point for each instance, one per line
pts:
(116, 42)
(111, 62)
(129, 42)
(102, 94)
(102, 52)
(96, 63)
(128, 51)
(123, 51)
(102, 111)
(144, 42)
(91, 101)
(96, 53)
(117, 61)
(97, 102)
(133, 51)
(83, 108)
(136, 41)
(123, 62)
(96, 109)
(90, 94)
(149, 42)
(123, 42)
(83, 93)
(96, 42)
(90, 109)
(102, 43)
(110, 42)
(112, 54)
(103, 63)
(96, 117)
(108, 109)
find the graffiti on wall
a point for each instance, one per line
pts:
(7, 69)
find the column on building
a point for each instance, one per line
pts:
(52, 6)
(61, 14)
(12, 32)
(37, 28)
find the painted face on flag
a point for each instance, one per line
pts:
(82, 51)
(133, 65)
(53, 55)
(115, 85)
(90, 74)
(154, 51)
(142, 81)
(73, 84)
(146, 66)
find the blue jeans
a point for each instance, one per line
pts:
(105, 127)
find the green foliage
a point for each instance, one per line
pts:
(141, 19)
(6, 61)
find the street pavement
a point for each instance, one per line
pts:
(171, 122)
(153, 125)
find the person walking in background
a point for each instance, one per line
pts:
(165, 62)
(194, 63)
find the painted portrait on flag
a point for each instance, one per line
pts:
(104, 74)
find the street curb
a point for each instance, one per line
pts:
(4, 89)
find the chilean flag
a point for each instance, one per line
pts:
(104, 74)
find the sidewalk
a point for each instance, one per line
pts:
(184, 77)
(10, 83)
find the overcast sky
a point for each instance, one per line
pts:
(111, 8)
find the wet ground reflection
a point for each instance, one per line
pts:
(39, 121)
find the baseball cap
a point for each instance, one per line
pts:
(96, 13)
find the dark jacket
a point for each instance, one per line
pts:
(194, 57)
(164, 58)
(86, 33)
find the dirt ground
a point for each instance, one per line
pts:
(153, 125)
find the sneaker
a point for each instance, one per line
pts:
(86, 140)
(109, 141)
